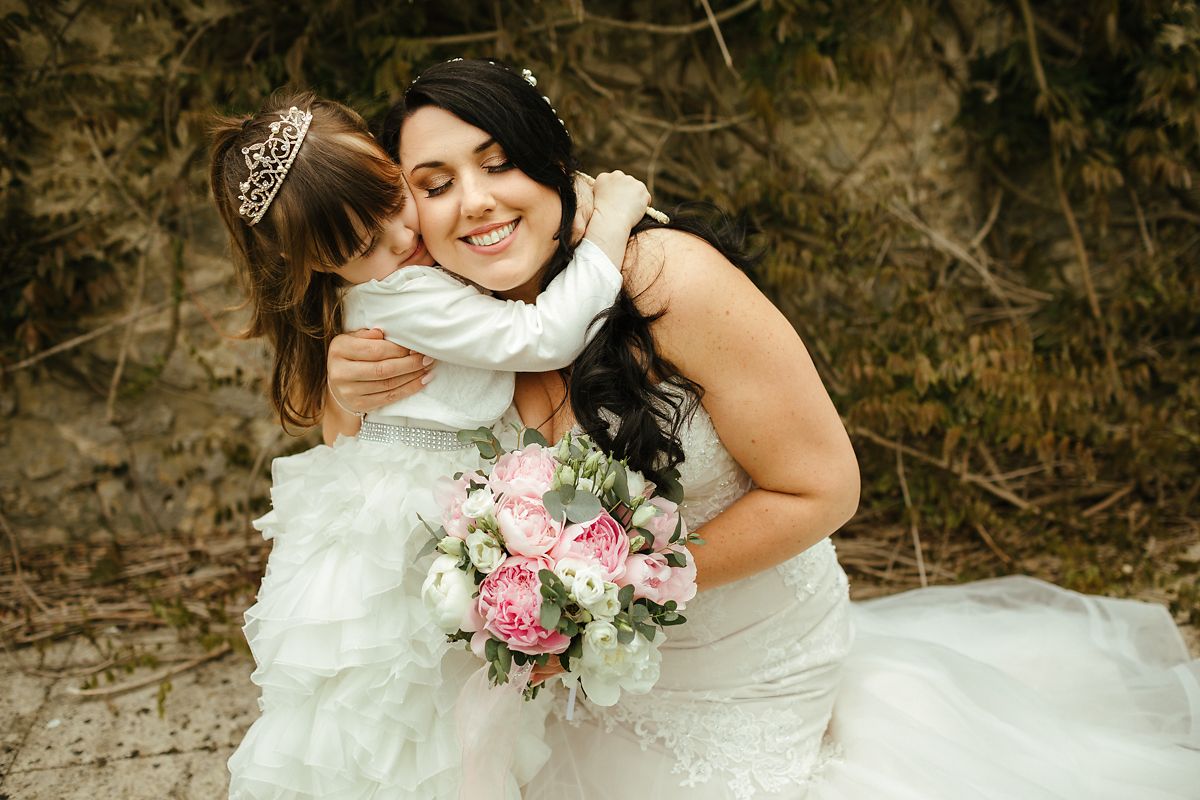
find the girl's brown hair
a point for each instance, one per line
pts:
(340, 189)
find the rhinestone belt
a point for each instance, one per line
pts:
(421, 438)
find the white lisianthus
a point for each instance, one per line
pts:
(565, 475)
(586, 485)
(644, 514)
(593, 462)
(610, 480)
(483, 551)
(609, 604)
(452, 546)
(606, 672)
(601, 635)
(480, 504)
(588, 586)
(567, 568)
(447, 594)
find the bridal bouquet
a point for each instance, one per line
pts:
(561, 553)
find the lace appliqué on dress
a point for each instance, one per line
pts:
(715, 737)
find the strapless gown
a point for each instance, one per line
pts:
(780, 687)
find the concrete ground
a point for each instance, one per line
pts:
(56, 745)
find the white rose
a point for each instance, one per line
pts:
(480, 504)
(567, 568)
(483, 551)
(601, 635)
(608, 606)
(588, 586)
(447, 594)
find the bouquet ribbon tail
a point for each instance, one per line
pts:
(487, 719)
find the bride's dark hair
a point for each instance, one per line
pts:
(622, 391)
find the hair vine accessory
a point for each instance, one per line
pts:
(269, 162)
(527, 74)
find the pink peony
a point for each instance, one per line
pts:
(510, 602)
(450, 494)
(662, 525)
(526, 527)
(652, 578)
(602, 542)
(528, 472)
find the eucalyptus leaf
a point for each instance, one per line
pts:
(625, 635)
(427, 548)
(676, 559)
(533, 436)
(625, 596)
(554, 504)
(584, 508)
(549, 615)
(621, 485)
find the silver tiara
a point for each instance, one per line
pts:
(270, 161)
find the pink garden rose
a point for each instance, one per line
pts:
(510, 602)
(602, 542)
(652, 578)
(527, 528)
(528, 472)
(450, 494)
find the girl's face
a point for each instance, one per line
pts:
(397, 244)
(481, 217)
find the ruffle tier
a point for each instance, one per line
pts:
(358, 683)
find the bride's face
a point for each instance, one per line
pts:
(481, 217)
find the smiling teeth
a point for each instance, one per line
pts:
(493, 236)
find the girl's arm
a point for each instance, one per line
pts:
(450, 321)
(765, 398)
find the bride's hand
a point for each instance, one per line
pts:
(367, 372)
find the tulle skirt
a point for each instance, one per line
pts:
(1008, 688)
(358, 683)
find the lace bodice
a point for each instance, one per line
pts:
(745, 690)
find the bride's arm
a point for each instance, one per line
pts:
(765, 398)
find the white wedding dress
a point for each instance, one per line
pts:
(779, 687)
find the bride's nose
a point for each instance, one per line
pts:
(477, 199)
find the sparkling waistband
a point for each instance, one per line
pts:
(421, 438)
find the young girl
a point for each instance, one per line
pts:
(357, 681)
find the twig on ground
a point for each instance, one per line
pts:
(157, 677)
(912, 518)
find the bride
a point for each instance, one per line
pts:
(778, 686)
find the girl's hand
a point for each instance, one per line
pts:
(584, 205)
(620, 199)
(367, 372)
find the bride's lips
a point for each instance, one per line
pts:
(497, 247)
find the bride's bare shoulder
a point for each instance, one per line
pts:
(662, 263)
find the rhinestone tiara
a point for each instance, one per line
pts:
(270, 161)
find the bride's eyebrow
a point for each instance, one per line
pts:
(489, 142)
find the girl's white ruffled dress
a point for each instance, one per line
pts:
(358, 683)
